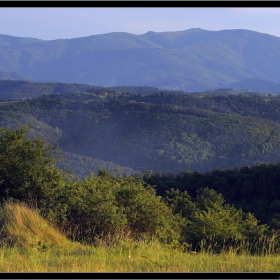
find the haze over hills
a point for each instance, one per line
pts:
(192, 60)
(138, 129)
(257, 84)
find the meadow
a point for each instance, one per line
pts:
(30, 244)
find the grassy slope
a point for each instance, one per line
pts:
(31, 244)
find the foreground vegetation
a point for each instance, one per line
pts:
(103, 206)
(30, 244)
(145, 258)
(50, 221)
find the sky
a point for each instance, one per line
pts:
(67, 23)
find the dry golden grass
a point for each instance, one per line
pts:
(24, 227)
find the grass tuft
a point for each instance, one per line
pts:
(24, 227)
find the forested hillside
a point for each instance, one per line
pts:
(20, 90)
(163, 132)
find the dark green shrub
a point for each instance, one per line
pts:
(102, 206)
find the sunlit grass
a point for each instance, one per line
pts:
(140, 258)
(24, 227)
(30, 244)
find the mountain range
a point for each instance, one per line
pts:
(192, 60)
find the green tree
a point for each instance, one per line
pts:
(221, 221)
(208, 218)
(181, 203)
(27, 167)
(209, 199)
(182, 206)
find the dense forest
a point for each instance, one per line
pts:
(164, 131)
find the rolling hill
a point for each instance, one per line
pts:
(163, 132)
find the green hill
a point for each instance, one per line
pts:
(162, 132)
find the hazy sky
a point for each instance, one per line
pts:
(66, 23)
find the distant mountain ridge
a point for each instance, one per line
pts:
(257, 84)
(191, 60)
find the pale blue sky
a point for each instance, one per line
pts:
(66, 23)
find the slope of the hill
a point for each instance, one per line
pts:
(160, 132)
(80, 166)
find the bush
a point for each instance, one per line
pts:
(208, 218)
(102, 206)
